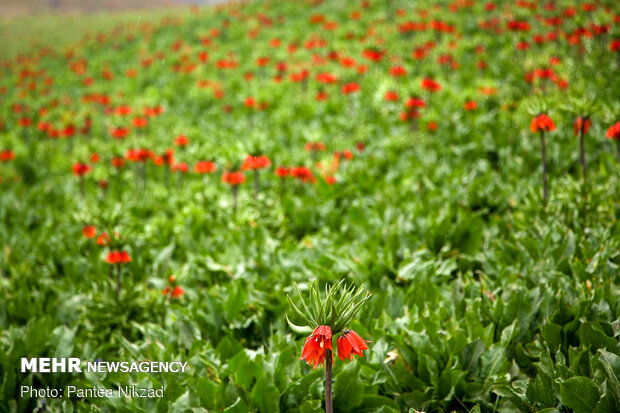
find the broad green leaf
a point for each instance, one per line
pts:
(580, 394)
(266, 396)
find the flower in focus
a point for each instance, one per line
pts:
(350, 344)
(316, 346)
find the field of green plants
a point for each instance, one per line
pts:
(166, 188)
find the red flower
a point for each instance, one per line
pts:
(398, 71)
(80, 169)
(181, 167)
(303, 173)
(614, 131)
(118, 257)
(7, 155)
(350, 344)
(139, 155)
(349, 88)
(24, 122)
(315, 146)
(542, 122)
(122, 110)
(316, 346)
(118, 162)
(326, 78)
(413, 102)
(470, 105)
(255, 162)
(391, 96)
(119, 133)
(321, 96)
(233, 178)
(250, 102)
(282, 171)
(204, 167)
(374, 55)
(581, 123)
(139, 122)
(177, 292)
(430, 85)
(89, 231)
(103, 239)
(181, 140)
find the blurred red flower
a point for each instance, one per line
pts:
(581, 123)
(204, 167)
(613, 132)
(255, 162)
(542, 122)
(233, 178)
(181, 140)
(81, 169)
(89, 231)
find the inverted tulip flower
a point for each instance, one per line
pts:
(234, 179)
(117, 258)
(80, 169)
(543, 123)
(256, 163)
(172, 290)
(614, 133)
(316, 346)
(580, 128)
(350, 344)
(324, 317)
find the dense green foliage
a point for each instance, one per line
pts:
(484, 297)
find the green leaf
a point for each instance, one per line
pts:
(580, 394)
(607, 404)
(611, 365)
(266, 396)
(348, 388)
(297, 311)
(310, 406)
(475, 409)
(298, 329)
